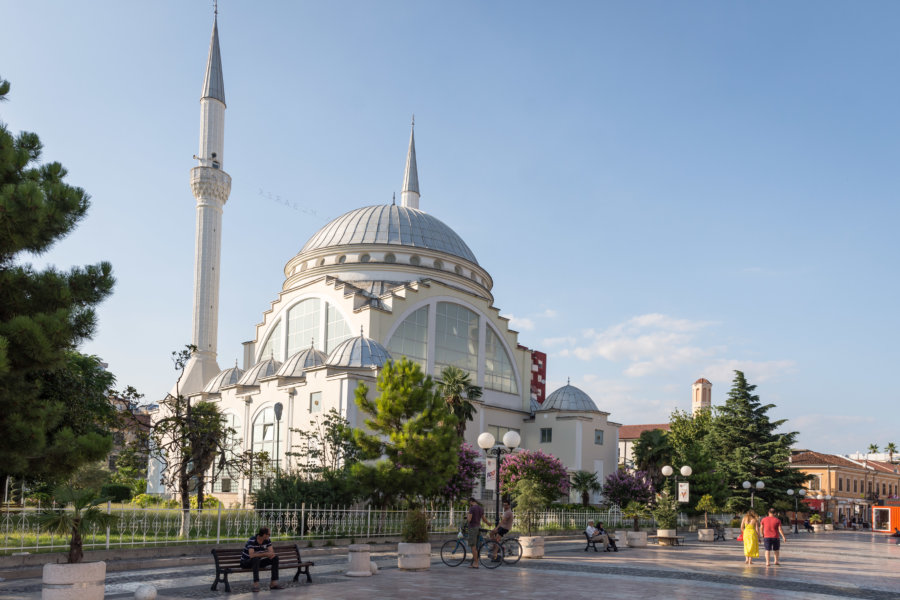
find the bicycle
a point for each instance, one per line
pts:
(453, 552)
(512, 549)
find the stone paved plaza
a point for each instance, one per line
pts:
(815, 566)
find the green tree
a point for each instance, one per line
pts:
(326, 448)
(457, 389)
(44, 314)
(652, 451)
(544, 469)
(585, 482)
(690, 440)
(707, 504)
(749, 447)
(85, 514)
(411, 430)
(890, 448)
(530, 501)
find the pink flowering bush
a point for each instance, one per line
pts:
(534, 465)
(468, 472)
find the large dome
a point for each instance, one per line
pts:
(569, 397)
(390, 224)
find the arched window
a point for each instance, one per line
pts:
(303, 325)
(410, 339)
(225, 481)
(456, 338)
(498, 370)
(264, 439)
(336, 328)
(273, 346)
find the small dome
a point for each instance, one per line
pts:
(390, 224)
(297, 364)
(535, 406)
(264, 368)
(224, 378)
(357, 352)
(569, 397)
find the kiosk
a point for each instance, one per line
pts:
(886, 516)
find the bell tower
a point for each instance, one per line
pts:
(701, 396)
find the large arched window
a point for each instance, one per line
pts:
(273, 348)
(264, 439)
(226, 480)
(303, 325)
(410, 339)
(336, 329)
(498, 370)
(456, 338)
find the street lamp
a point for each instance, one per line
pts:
(800, 493)
(759, 486)
(824, 498)
(486, 441)
(685, 471)
(279, 408)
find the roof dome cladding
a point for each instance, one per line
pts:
(264, 368)
(359, 352)
(390, 224)
(224, 378)
(297, 364)
(569, 397)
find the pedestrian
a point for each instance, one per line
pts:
(473, 520)
(771, 529)
(750, 531)
(258, 552)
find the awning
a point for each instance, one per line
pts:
(814, 503)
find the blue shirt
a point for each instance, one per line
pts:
(257, 547)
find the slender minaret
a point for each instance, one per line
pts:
(210, 186)
(701, 396)
(409, 195)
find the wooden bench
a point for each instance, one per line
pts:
(592, 544)
(228, 560)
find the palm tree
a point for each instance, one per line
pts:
(890, 449)
(457, 389)
(652, 450)
(873, 448)
(585, 482)
(85, 514)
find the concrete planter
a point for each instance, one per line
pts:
(413, 557)
(661, 534)
(77, 581)
(706, 535)
(359, 562)
(732, 533)
(818, 528)
(829, 526)
(532, 547)
(636, 539)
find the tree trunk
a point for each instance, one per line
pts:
(200, 494)
(75, 547)
(185, 506)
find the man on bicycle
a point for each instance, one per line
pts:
(503, 527)
(473, 520)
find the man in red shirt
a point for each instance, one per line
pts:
(771, 529)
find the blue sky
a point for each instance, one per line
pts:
(661, 190)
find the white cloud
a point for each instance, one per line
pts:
(558, 341)
(520, 323)
(755, 371)
(549, 314)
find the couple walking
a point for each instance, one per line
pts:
(769, 528)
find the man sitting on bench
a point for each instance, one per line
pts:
(258, 552)
(595, 535)
(610, 538)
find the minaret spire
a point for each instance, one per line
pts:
(409, 195)
(210, 186)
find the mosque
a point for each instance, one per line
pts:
(375, 284)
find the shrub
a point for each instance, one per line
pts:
(636, 511)
(415, 527)
(816, 519)
(145, 500)
(116, 492)
(545, 470)
(621, 487)
(208, 502)
(529, 502)
(665, 512)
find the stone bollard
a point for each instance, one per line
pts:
(360, 565)
(145, 592)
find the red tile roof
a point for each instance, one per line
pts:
(702, 380)
(633, 432)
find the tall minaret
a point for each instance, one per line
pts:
(701, 396)
(409, 195)
(210, 186)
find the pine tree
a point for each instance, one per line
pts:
(412, 427)
(44, 314)
(747, 446)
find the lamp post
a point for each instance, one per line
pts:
(800, 493)
(685, 471)
(759, 486)
(486, 441)
(279, 408)
(824, 498)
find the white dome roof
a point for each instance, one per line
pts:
(358, 352)
(264, 368)
(390, 224)
(224, 378)
(569, 397)
(298, 363)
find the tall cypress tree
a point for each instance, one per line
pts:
(748, 447)
(44, 314)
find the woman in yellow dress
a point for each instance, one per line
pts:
(750, 529)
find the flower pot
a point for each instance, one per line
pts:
(532, 547)
(413, 557)
(706, 535)
(665, 537)
(818, 528)
(75, 581)
(635, 539)
(829, 526)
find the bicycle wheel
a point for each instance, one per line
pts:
(490, 554)
(512, 551)
(453, 553)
